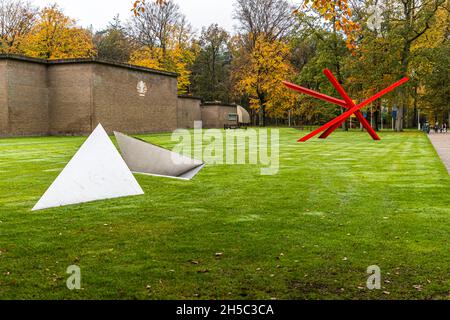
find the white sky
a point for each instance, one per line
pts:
(99, 12)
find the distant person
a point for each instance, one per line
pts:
(445, 127)
(436, 127)
(426, 127)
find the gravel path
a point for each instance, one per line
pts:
(441, 143)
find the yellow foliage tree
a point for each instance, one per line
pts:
(178, 56)
(423, 63)
(436, 34)
(148, 57)
(261, 75)
(176, 60)
(56, 36)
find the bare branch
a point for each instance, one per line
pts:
(17, 17)
(156, 23)
(271, 18)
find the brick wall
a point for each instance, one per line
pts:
(119, 106)
(70, 99)
(189, 111)
(27, 98)
(4, 117)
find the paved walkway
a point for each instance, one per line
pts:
(441, 143)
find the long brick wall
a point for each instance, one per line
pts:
(70, 97)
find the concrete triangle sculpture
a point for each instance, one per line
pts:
(96, 172)
(145, 158)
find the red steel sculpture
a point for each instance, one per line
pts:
(347, 103)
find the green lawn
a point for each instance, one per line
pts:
(310, 232)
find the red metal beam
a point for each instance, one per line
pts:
(326, 98)
(315, 94)
(350, 104)
(354, 109)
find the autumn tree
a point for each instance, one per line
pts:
(336, 18)
(165, 41)
(154, 27)
(211, 70)
(56, 36)
(431, 64)
(435, 93)
(313, 53)
(409, 21)
(337, 13)
(17, 17)
(260, 23)
(260, 78)
(374, 67)
(178, 59)
(337, 34)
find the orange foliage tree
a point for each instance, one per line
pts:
(176, 59)
(339, 14)
(260, 78)
(56, 36)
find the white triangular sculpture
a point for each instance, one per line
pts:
(96, 172)
(145, 158)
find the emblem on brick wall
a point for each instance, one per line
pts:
(142, 88)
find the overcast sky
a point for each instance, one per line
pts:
(99, 12)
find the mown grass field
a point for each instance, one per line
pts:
(310, 232)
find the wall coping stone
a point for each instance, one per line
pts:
(86, 60)
(218, 104)
(182, 96)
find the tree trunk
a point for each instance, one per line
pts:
(415, 119)
(262, 108)
(337, 63)
(399, 120)
(254, 117)
(377, 118)
(404, 70)
(262, 116)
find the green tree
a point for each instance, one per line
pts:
(335, 18)
(211, 70)
(112, 43)
(409, 20)
(435, 75)
(319, 52)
